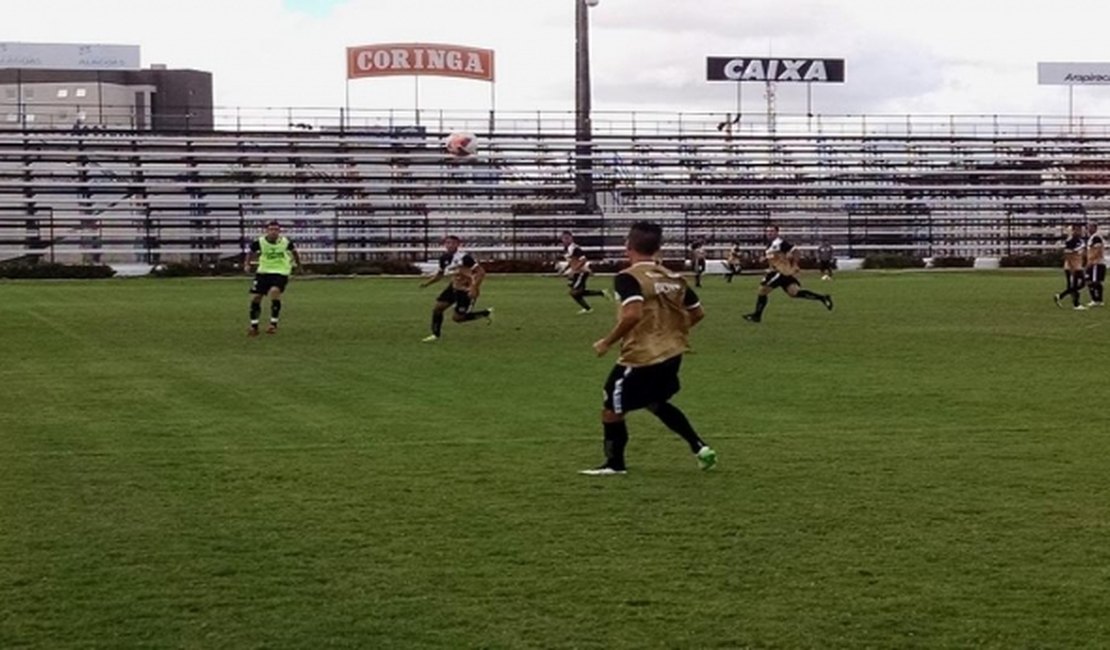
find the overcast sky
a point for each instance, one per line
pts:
(903, 56)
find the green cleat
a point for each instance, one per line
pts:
(707, 458)
(429, 339)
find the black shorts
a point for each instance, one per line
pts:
(1096, 274)
(263, 282)
(628, 389)
(1076, 279)
(777, 280)
(699, 266)
(827, 266)
(457, 297)
(577, 282)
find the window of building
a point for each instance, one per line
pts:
(80, 92)
(63, 92)
(30, 117)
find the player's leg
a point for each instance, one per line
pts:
(1095, 279)
(577, 289)
(1071, 290)
(765, 288)
(613, 425)
(1075, 284)
(589, 293)
(794, 290)
(443, 301)
(275, 308)
(258, 290)
(463, 313)
(699, 269)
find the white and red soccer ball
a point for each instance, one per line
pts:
(461, 144)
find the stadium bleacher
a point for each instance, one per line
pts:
(117, 196)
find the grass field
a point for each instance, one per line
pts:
(927, 466)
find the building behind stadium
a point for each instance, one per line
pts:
(89, 86)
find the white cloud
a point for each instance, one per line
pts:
(903, 56)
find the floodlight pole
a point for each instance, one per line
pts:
(583, 132)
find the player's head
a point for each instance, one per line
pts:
(644, 238)
(1075, 229)
(772, 232)
(451, 243)
(273, 230)
(1092, 228)
(567, 237)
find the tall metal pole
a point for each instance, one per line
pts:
(583, 132)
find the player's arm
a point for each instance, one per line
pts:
(577, 262)
(632, 311)
(296, 257)
(432, 280)
(251, 256)
(477, 275)
(693, 307)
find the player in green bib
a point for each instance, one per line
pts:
(275, 256)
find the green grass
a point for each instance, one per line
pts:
(924, 467)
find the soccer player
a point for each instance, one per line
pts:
(733, 262)
(697, 255)
(1096, 265)
(578, 272)
(275, 256)
(657, 312)
(1074, 265)
(782, 258)
(466, 281)
(825, 259)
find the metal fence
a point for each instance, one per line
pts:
(394, 192)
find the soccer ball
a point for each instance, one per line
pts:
(461, 145)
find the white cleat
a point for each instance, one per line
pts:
(707, 458)
(489, 319)
(582, 312)
(1079, 308)
(432, 338)
(1093, 304)
(603, 471)
(608, 294)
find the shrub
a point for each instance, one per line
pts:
(520, 266)
(953, 262)
(892, 261)
(184, 270)
(56, 271)
(1054, 259)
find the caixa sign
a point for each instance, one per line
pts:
(742, 68)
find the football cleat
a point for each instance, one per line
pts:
(707, 458)
(431, 338)
(1079, 308)
(582, 312)
(1056, 298)
(827, 302)
(252, 331)
(752, 318)
(272, 329)
(604, 470)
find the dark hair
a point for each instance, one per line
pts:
(452, 237)
(645, 237)
(273, 222)
(567, 232)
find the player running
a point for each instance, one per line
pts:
(466, 281)
(276, 257)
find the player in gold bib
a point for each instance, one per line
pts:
(656, 314)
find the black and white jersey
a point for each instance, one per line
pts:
(573, 252)
(779, 245)
(1074, 245)
(451, 263)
